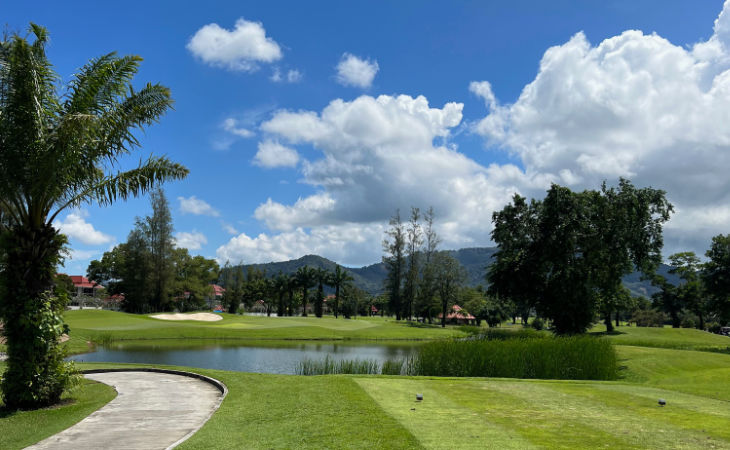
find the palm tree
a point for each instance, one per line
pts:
(305, 277)
(322, 277)
(57, 151)
(337, 279)
(281, 285)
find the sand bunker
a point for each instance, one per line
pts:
(203, 317)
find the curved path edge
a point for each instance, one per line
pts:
(83, 434)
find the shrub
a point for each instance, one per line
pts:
(565, 358)
(648, 318)
(688, 321)
(538, 324)
(714, 327)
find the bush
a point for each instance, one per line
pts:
(648, 318)
(688, 321)
(538, 324)
(564, 358)
(714, 327)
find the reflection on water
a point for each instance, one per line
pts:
(260, 357)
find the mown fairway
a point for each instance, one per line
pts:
(347, 411)
(96, 325)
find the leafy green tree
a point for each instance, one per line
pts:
(193, 278)
(716, 276)
(281, 286)
(338, 279)
(513, 275)
(291, 286)
(394, 261)
(305, 278)
(668, 299)
(134, 273)
(691, 290)
(449, 277)
(568, 252)
(57, 151)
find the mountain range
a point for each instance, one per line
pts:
(474, 260)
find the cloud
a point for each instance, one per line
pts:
(357, 72)
(231, 125)
(190, 241)
(352, 242)
(228, 228)
(635, 106)
(75, 227)
(197, 207)
(240, 49)
(292, 76)
(271, 154)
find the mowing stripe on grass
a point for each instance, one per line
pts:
(624, 422)
(438, 422)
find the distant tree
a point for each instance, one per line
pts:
(291, 286)
(449, 277)
(394, 260)
(668, 299)
(338, 279)
(157, 229)
(60, 147)
(427, 285)
(716, 276)
(64, 282)
(281, 287)
(691, 290)
(321, 277)
(305, 278)
(136, 267)
(414, 240)
(193, 276)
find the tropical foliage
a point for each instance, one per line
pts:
(60, 147)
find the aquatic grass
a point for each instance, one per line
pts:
(560, 358)
(331, 366)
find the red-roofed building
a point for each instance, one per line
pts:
(82, 286)
(459, 315)
(216, 298)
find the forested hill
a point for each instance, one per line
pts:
(475, 261)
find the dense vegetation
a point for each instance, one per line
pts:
(60, 147)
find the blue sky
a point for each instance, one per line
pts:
(305, 125)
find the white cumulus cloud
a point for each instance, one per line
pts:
(271, 154)
(232, 126)
(76, 227)
(191, 241)
(193, 205)
(355, 71)
(634, 105)
(239, 49)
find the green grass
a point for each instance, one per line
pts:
(360, 411)
(107, 327)
(19, 429)
(369, 411)
(667, 337)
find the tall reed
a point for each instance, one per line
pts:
(564, 358)
(328, 366)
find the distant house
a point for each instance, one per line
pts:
(216, 297)
(457, 315)
(82, 286)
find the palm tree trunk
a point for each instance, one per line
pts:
(304, 302)
(337, 298)
(36, 373)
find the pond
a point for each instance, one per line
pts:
(256, 356)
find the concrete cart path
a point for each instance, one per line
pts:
(151, 411)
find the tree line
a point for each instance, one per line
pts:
(291, 294)
(149, 272)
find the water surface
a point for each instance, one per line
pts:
(256, 356)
